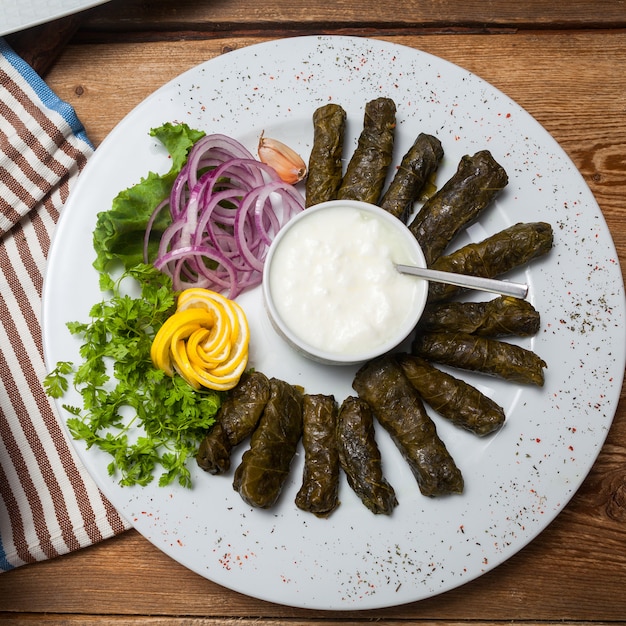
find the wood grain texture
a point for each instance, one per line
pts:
(573, 83)
(224, 15)
(97, 620)
(41, 45)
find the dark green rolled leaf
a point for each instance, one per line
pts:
(496, 255)
(260, 476)
(481, 354)
(319, 493)
(453, 398)
(236, 419)
(416, 170)
(498, 317)
(368, 167)
(477, 181)
(398, 407)
(325, 162)
(360, 458)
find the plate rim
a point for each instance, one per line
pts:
(247, 50)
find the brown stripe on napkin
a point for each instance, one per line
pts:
(28, 171)
(6, 209)
(49, 505)
(31, 444)
(50, 129)
(35, 147)
(20, 542)
(41, 147)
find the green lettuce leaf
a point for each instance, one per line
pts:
(119, 233)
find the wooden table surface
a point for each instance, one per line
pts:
(565, 64)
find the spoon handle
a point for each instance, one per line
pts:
(502, 287)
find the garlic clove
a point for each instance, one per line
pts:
(287, 162)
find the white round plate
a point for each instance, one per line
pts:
(518, 480)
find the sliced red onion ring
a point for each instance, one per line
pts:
(225, 208)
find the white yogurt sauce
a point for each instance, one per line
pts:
(334, 284)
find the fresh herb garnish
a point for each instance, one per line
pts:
(133, 411)
(119, 233)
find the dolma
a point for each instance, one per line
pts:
(236, 419)
(368, 167)
(499, 317)
(453, 398)
(360, 457)
(510, 248)
(416, 170)
(264, 467)
(399, 408)
(319, 493)
(477, 181)
(481, 354)
(325, 162)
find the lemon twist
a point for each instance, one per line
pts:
(205, 340)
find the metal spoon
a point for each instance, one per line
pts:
(503, 287)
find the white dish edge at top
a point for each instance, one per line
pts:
(22, 14)
(516, 481)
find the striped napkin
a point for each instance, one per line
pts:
(48, 503)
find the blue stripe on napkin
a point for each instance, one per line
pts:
(5, 565)
(48, 98)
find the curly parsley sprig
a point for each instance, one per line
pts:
(131, 410)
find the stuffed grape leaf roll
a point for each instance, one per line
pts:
(325, 161)
(236, 419)
(368, 167)
(510, 248)
(360, 457)
(499, 317)
(481, 354)
(398, 407)
(453, 398)
(319, 493)
(260, 476)
(417, 168)
(477, 181)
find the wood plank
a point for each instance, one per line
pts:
(98, 620)
(190, 15)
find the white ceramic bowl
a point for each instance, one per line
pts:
(330, 287)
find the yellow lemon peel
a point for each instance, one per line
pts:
(205, 340)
